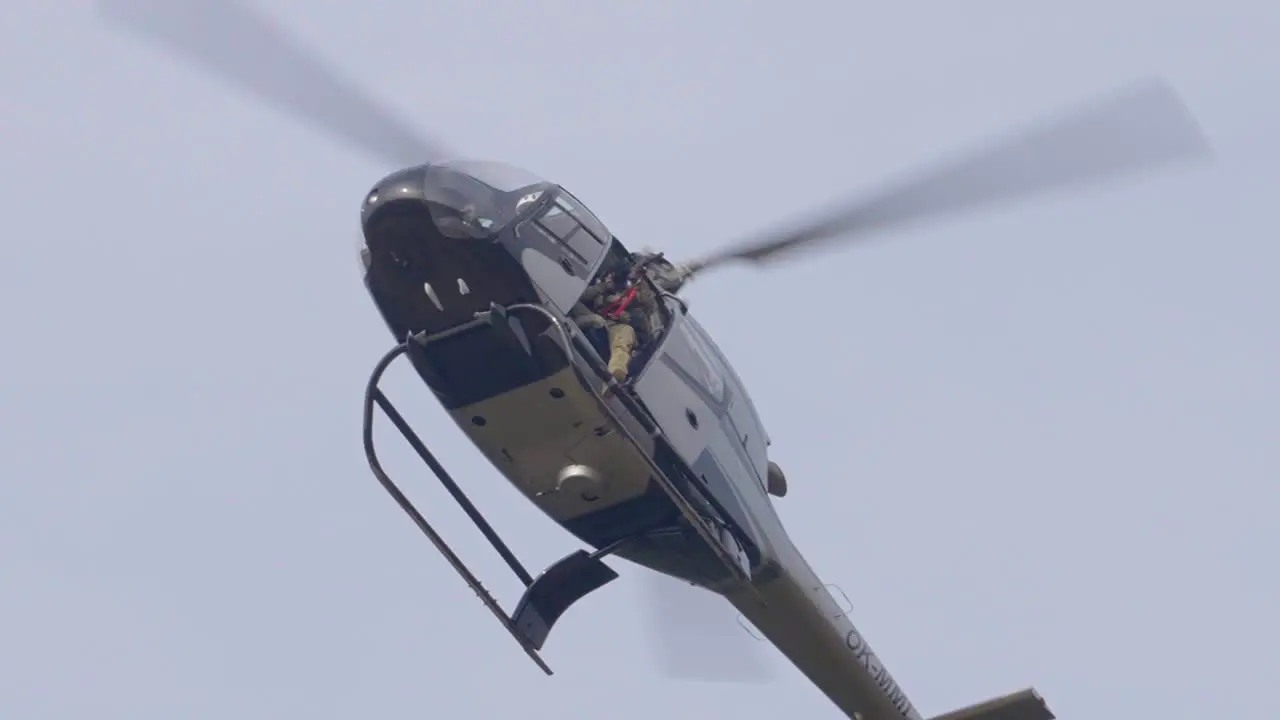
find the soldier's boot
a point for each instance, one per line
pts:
(622, 343)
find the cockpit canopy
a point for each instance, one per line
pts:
(436, 210)
(477, 200)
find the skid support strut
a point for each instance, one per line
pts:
(546, 597)
(374, 396)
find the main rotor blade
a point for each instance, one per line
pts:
(1137, 129)
(245, 48)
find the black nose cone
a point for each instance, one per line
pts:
(427, 268)
(401, 192)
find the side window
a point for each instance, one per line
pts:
(575, 227)
(589, 221)
(742, 412)
(705, 368)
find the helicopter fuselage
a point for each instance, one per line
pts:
(485, 263)
(476, 268)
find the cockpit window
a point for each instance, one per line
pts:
(590, 223)
(477, 200)
(575, 227)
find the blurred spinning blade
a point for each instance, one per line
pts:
(251, 52)
(695, 635)
(1138, 129)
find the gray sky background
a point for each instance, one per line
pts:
(1035, 445)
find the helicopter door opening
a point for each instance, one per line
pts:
(652, 321)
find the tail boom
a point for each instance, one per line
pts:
(802, 619)
(796, 612)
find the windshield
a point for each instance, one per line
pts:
(476, 200)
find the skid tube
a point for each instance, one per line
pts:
(546, 597)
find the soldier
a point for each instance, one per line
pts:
(625, 307)
(608, 303)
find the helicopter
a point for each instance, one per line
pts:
(477, 269)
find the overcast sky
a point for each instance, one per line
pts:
(1035, 446)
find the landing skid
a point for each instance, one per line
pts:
(546, 597)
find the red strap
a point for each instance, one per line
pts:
(616, 308)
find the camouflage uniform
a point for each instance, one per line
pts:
(637, 317)
(621, 326)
